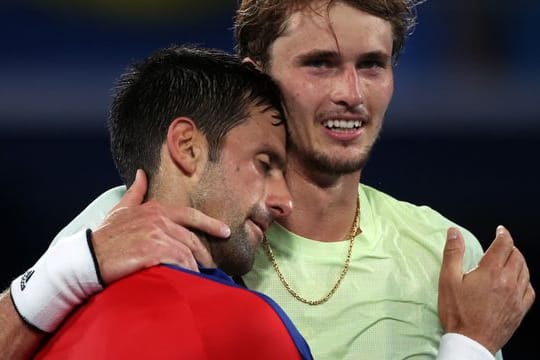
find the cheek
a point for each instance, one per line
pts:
(302, 99)
(297, 87)
(380, 96)
(388, 89)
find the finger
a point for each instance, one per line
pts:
(524, 277)
(500, 249)
(195, 219)
(191, 241)
(523, 280)
(180, 255)
(514, 264)
(136, 192)
(452, 262)
(202, 253)
(529, 297)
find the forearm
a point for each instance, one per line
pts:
(17, 339)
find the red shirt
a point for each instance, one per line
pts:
(169, 313)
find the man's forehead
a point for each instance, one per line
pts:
(270, 124)
(338, 30)
(318, 13)
(261, 121)
(260, 117)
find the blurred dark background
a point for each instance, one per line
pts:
(462, 134)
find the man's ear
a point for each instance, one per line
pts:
(186, 144)
(255, 64)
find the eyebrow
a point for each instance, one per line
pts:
(376, 55)
(277, 115)
(316, 54)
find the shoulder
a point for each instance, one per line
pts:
(384, 205)
(418, 222)
(94, 213)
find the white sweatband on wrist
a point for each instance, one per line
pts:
(455, 346)
(66, 275)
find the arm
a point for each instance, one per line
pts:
(17, 339)
(488, 303)
(133, 236)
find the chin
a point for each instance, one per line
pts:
(337, 166)
(237, 266)
(234, 256)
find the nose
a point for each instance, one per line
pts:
(347, 89)
(278, 197)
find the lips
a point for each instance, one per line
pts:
(343, 130)
(256, 230)
(344, 126)
(262, 225)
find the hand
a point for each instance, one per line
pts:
(135, 236)
(488, 303)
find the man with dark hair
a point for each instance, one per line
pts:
(356, 269)
(172, 118)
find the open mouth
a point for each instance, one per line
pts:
(343, 125)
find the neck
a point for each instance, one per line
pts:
(170, 193)
(324, 205)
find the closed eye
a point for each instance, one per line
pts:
(269, 161)
(263, 163)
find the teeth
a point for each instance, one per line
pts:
(343, 124)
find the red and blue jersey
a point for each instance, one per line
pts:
(166, 312)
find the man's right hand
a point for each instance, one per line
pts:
(137, 235)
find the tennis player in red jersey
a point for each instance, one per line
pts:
(209, 133)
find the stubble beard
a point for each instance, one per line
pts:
(320, 162)
(234, 255)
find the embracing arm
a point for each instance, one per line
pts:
(133, 236)
(17, 339)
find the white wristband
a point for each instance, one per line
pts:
(455, 346)
(62, 278)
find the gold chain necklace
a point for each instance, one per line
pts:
(353, 232)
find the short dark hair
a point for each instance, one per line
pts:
(211, 87)
(259, 23)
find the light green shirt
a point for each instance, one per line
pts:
(386, 306)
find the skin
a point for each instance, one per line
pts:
(477, 304)
(257, 165)
(341, 75)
